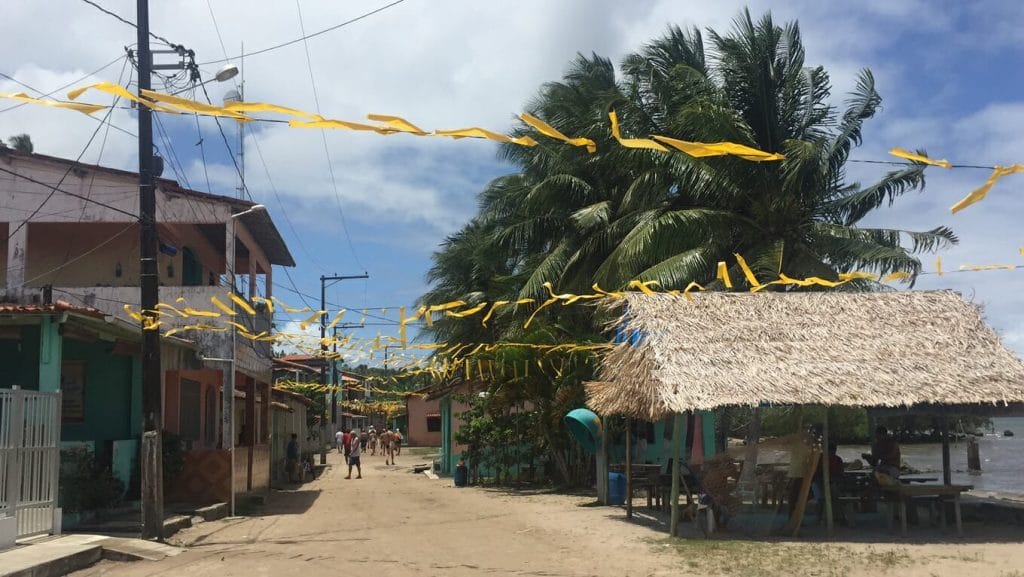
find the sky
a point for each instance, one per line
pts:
(947, 72)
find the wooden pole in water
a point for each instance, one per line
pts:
(947, 473)
(629, 468)
(677, 455)
(826, 475)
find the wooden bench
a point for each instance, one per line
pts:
(903, 494)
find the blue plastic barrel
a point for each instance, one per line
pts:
(616, 488)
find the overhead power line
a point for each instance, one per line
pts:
(69, 193)
(128, 22)
(306, 36)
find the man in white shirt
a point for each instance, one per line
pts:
(353, 460)
(339, 439)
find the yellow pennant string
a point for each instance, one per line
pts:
(494, 306)
(401, 327)
(723, 274)
(825, 282)
(469, 375)
(899, 152)
(192, 106)
(645, 143)
(132, 313)
(702, 150)
(167, 306)
(446, 306)
(1021, 251)
(857, 275)
(552, 132)
(938, 265)
(269, 303)
(76, 106)
(468, 312)
(118, 90)
(337, 318)
(475, 132)
(550, 301)
(397, 124)
(289, 309)
(644, 286)
(236, 106)
(313, 317)
(245, 306)
(898, 275)
(223, 307)
(749, 274)
(691, 287)
(605, 293)
(978, 194)
(338, 124)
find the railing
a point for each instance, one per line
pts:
(29, 459)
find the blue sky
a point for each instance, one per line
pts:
(947, 72)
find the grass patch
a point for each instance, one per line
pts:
(772, 558)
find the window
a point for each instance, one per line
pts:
(189, 414)
(433, 423)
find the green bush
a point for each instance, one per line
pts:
(85, 484)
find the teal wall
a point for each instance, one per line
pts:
(108, 393)
(447, 445)
(19, 360)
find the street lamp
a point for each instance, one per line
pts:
(226, 73)
(227, 417)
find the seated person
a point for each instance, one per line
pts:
(884, 457)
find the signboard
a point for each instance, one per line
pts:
(72, 386)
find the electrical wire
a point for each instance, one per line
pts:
(323, 136)
(67, 262)
(129, 22)
(305, 36)
(227, 144)
(62, 191)
(58, 89)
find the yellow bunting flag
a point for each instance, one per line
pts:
(401, 327)
(644, 286)
(337, 318)
(550, 301)
(552, 132)
(245, 306)
(181, 314)
(289, 309)
(980, 193)
(690, 287)
(339, 124)
(475, 132)
(938, 265)
(187, 105)
(76, 106)
(468, 312)
(267, 302)
(645, 143)
(198, 313)
(749, 274)
(118, 90)
(898, 275)
(313, 317)
(702, 150)
(919, 158)
(236, 106)
(397, 124)
(1021, 251)
(605, 293)
(223, 307)
(723, 274)
(857, 275)
(132, 313)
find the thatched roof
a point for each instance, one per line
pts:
(830, 348)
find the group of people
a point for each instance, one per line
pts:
(353, 443)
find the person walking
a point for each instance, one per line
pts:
(292, 458)
(353, 460)
(339, 440)
(397, 438)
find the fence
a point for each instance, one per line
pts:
(29, 459)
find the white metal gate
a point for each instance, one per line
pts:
(29, 458)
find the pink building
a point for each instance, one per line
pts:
(72, 234)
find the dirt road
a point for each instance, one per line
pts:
(395, 523)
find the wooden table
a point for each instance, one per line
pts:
(904, 493)
(645, 476)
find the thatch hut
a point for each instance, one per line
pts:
(892, 349)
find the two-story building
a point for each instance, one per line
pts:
(72, 251)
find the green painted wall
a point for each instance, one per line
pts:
(19, 360)
(108, 393)
(447, 458)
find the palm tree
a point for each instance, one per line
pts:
(21, 143)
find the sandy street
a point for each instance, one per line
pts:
(393, 522)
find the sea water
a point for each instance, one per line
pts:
(1002, 458)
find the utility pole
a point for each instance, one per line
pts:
(323, 351)
(335, 376)
(152, 403)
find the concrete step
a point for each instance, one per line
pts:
(212, 512)
(51, 557)
(118, 549)
(176, 523)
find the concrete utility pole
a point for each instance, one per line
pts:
(323, 353)
(152, 402)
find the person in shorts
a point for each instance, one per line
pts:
(353, 460)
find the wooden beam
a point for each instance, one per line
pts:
(826, 476)
(677, 455)
(629, 468)
(947, 473)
